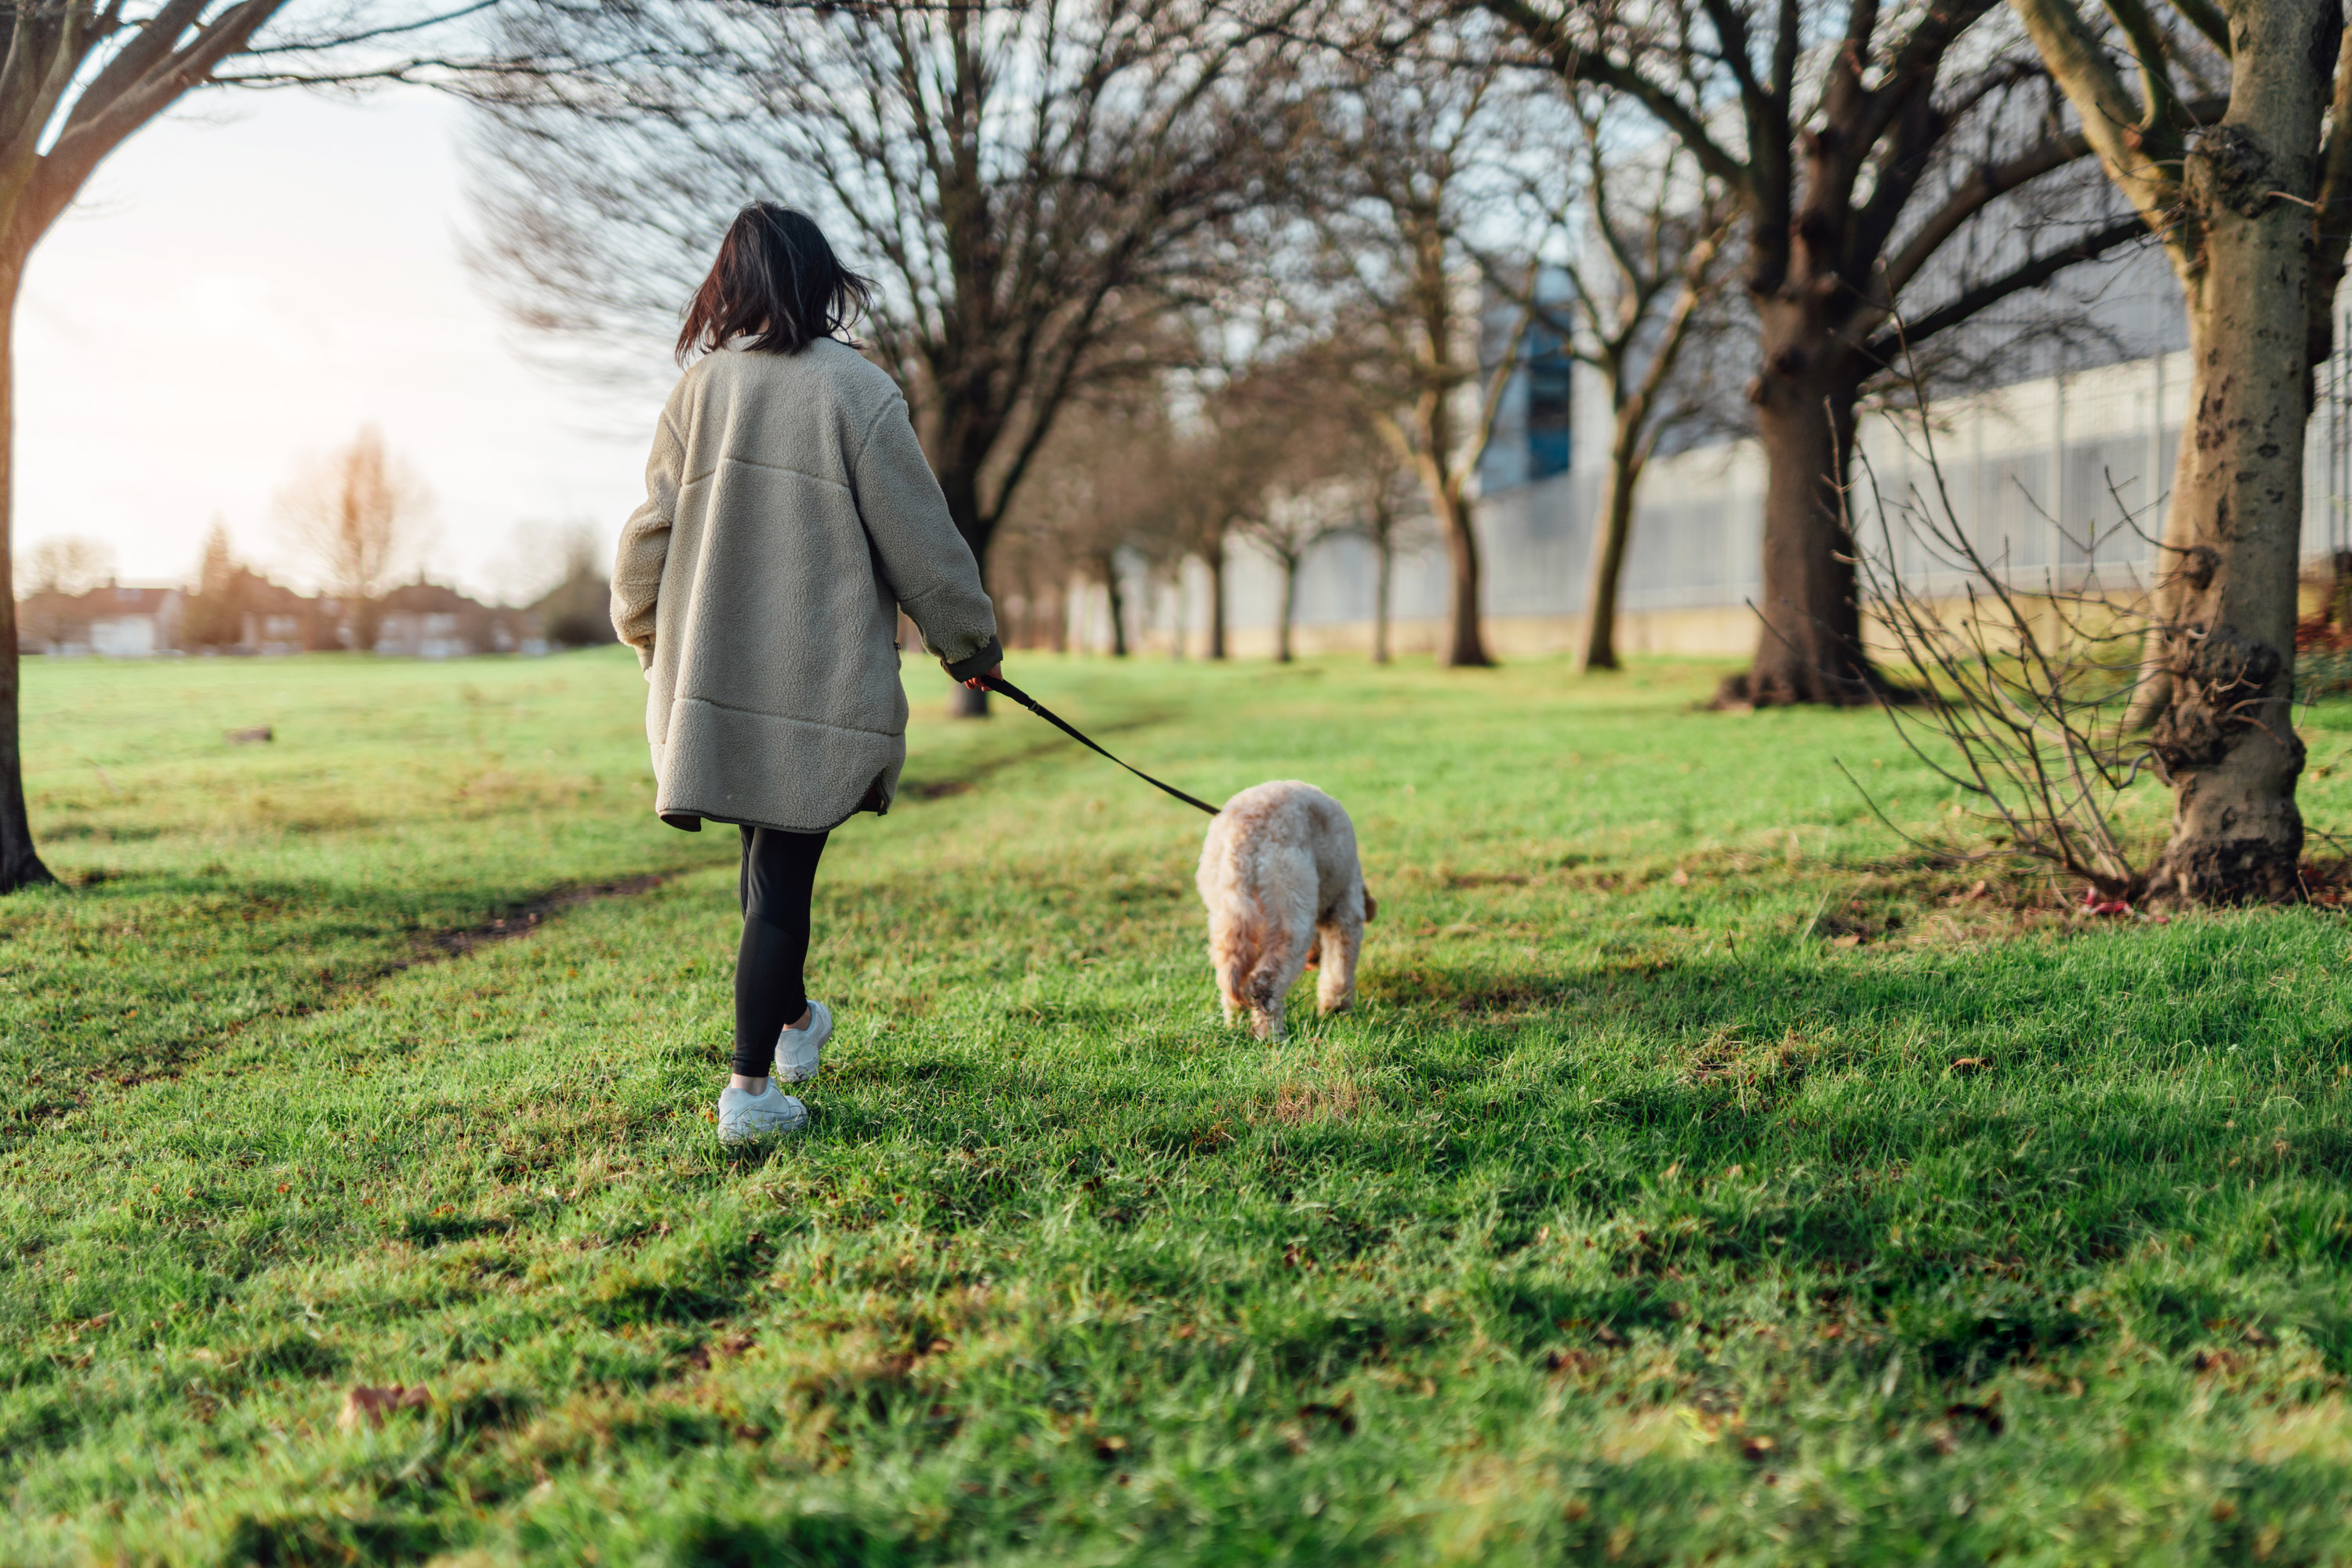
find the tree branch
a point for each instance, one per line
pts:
(1988, 184)
(2112, 121)
(1885, 349)
(1549, 37)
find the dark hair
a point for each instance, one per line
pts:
(776, 285)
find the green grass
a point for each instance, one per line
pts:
(1702, 1177)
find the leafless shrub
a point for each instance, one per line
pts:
(2019, 693)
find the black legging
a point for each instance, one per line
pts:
(779, 873)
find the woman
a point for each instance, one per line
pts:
(789, 517)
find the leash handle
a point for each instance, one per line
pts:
(998, 683)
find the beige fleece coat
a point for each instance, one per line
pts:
(789, 516)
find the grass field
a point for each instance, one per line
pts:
(1705, 1176)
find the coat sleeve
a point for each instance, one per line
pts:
(929, 567)
(645, 542)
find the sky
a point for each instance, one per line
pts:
(248, 283)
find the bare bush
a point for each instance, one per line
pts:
(2019, 695)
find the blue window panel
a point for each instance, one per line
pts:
(1551, 383)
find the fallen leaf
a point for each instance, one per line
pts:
(1851, 939)
(1681, 879)
(1967, 1065)
(369, 1406)
(1755, 1449)
(1986, 1414)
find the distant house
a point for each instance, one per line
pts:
(113, 621)
(427, 620)
(241, 611)
(271, 618)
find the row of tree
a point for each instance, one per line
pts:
(1170, 198)
(1067, 200)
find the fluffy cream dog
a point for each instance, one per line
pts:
(1279, 868)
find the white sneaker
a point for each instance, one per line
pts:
(743, 1117)
(796, 1049)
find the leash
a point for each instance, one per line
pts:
(998, 683)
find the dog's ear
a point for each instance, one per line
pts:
(1372, 904)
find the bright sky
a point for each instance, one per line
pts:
(252, 280)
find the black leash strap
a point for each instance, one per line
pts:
(998, 683)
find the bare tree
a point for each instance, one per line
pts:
(1286, 524)
(1388, 517)
(357, 512)
(1039, 185)
(1224, 457)
(2254, 213)
(214, 618)
(1640, 289)
(1104, 494)
(61, 569)
(1858, 153)
(576, 609)
(1028, 576)
(1409, 146)
(78, 77)
(69, 565)
(1325, 471)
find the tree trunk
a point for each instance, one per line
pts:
(20, 864)
(959, 483)
(1117, 608)
(1610, 544)
(1465, 640)
(1809, 649)
(1289, 598)
(2226, 743)
(367, 623)
(1214, 557)
(1382, 581)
